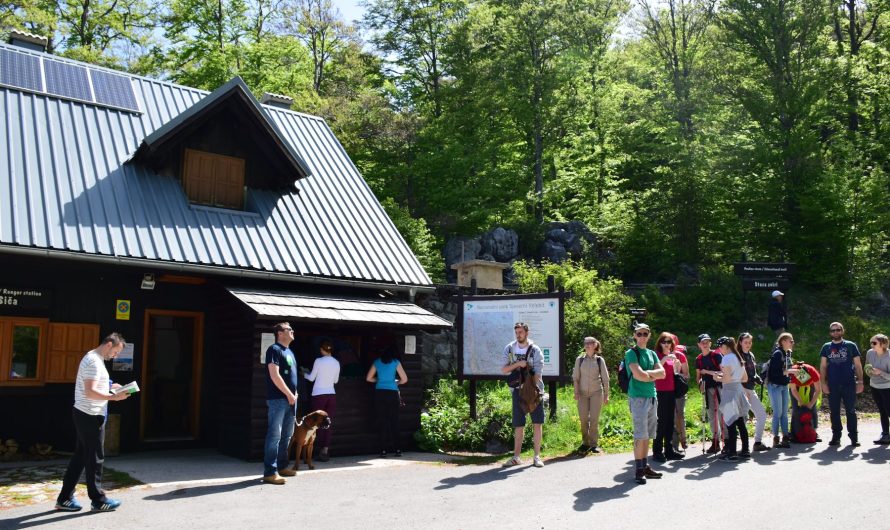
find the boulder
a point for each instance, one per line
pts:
(501, 244)
(553, 251)
(460, 249)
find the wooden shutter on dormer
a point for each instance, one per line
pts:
(67, 345)
(214, 180)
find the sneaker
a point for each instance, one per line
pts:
(537, 462)
(583, 448)
(883, 440)
(648, 472)
(274, 479)
(640, 477)
(109, 505)
(854, 442)
(515, 461)
(659, 457)
(287, 472)
(714, 449)
(674, 456)
(758, 446)
(594, 449)
(70, 505)
(835, 440)
(728, 457)
(323, 457)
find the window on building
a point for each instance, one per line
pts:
(34, 351)
(213, 180)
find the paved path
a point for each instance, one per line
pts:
(805, 487)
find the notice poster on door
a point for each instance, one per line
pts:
(123, 362)
(266, 340)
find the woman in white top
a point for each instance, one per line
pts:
(877, 368)
(325, 373)
(733, 403)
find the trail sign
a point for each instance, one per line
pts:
(755, 269)
(765, 284)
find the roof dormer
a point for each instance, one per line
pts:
(221, 145)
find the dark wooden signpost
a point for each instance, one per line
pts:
(763, 276)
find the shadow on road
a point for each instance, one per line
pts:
(876, 455)
(42, 518)
(478, 479)
(832, 454)
(199, 491)
(586, 498)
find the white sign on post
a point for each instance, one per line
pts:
(488, 328)
(410, 344)
(266, 340)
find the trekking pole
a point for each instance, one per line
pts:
(704, 420)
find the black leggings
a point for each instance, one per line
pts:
(736, 430)
(665, 433)
(386, 403)
(882, 399)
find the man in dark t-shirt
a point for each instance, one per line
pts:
(841, 373)
(707, 370)
(281, 398)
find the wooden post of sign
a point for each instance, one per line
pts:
(472, 396)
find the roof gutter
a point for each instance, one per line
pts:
(206, 269)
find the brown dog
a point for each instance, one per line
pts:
(304, 436)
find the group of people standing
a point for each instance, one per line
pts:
(727, 376)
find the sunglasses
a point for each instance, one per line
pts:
(642, 334)
(875, 343)
(835, 330)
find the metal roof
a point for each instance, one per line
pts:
(65, 186)
(276, 304)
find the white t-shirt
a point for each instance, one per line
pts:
(325, 373)
(92, 366)
(736, 369)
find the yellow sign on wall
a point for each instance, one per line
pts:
(122, 310)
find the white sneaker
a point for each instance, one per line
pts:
(515, 461)
(538, 462)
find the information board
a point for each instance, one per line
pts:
(487, 327)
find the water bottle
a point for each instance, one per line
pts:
(788, 360)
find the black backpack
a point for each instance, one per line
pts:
(623, 377)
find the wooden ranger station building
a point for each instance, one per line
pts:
(191, 222)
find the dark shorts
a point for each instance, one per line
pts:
(519, 415)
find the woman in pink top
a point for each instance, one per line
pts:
(671, 360)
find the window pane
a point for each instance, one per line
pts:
(25, 344)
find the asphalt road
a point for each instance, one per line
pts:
(805, 487)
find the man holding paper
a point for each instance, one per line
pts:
(91, 397)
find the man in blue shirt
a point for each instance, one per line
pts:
(841, 376)
(281, 398)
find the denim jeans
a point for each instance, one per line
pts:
(779, 398)
(847, 393)
(278, 435)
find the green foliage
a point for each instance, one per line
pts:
(419, 239)
(598, 306)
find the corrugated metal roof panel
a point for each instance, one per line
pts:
(272, 304)
(65, 186)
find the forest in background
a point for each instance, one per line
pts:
(682, 132)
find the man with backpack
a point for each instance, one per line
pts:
(524, 359)
(707, 370)
(644, 369)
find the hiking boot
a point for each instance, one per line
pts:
(274, 479)
(71, 505)
(745, 454)
(758, 446)
(583, 448)
(640, 477)
(883, 440)
(659, 457)
(835, 440)
(786, 442)
(854, 442)
(714, 449)
(109, 505)
(537, 462)
(648, 472)
(323, 457)
(514, 461)
(287, 472)
(594, 449)
(673, 455)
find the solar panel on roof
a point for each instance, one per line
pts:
(21, 70)
(67, 80)
(115, 90)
